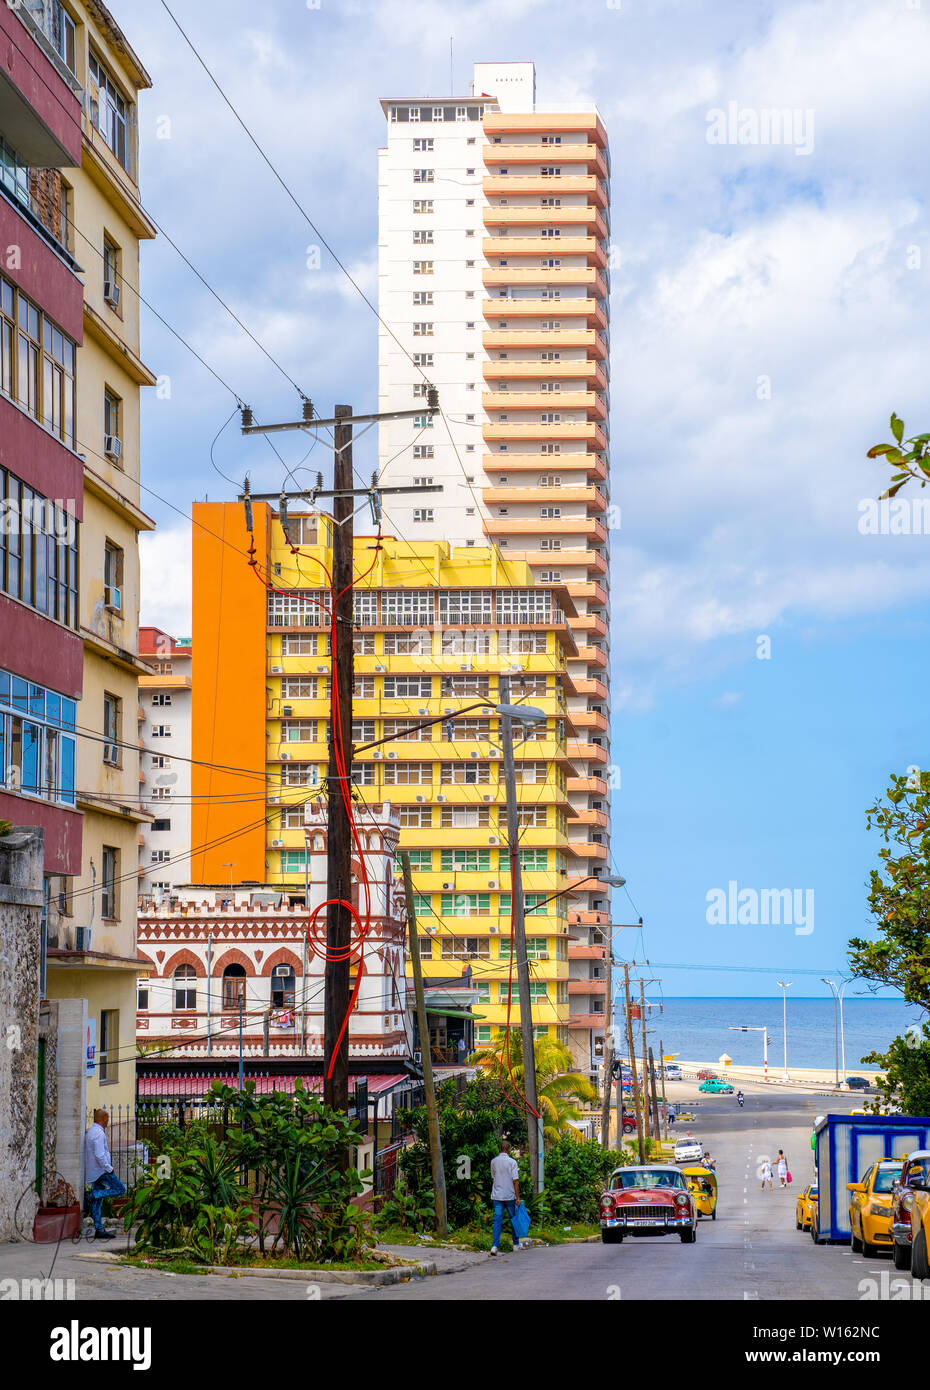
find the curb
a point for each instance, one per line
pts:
(400, 1275)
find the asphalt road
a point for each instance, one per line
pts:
(752, 1250)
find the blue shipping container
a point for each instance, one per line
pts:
(849, 1144)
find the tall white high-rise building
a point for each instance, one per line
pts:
(493, 254)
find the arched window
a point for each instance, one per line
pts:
(185, 987)
(233, 986)
(283, 987)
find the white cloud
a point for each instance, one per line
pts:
(165, 559)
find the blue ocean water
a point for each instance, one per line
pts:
(698, 1029)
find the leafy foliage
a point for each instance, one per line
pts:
(575, 1175)
(410, 1208)
(558, 1087)
(280, 1170)
(909, 458)
(906, 1073)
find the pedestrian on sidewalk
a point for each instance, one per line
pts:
(98, 1172)
(781, 1165)
(505, 1193)
(765, 1172)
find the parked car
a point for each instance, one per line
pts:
(911, 1212)
(652, 1200)
(705, 1074)
(688, 1150)
(802, 1207)
(858, 1083)
(672, 1071)
(870, 1207)
(722, 1088)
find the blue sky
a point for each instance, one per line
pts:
(769, 310)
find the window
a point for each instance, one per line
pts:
(365, 775)
(111, 272)
(300, 731)
(423, 268)
(300, 775)
(423, 145)
(416, 817)
(113, 577)
(109, 110)
(550, 511)
(363, 731)
(536, 947)
(483, 1033)
(423, 330)
(539, 992)
(363, 687)
(422, 359)
(465, 685)
(408, 774)
(465, 860)
(363, 643)
(160, 856)
(407, 644)
(465, 817)
(161, 824)
(300, 688)
(109, 883)
(408, 687)
(142, 993)
(423, 237)
(423, 296)
(424, 451)
(407, 730)
(112, 413)
(36, 359)
(233, 985)
(468, 774)
(111, 729)
(298, 645)
(38, 551)
(464, 729)
(108, 1049)
(419, 859)
(161, 698)
(424, 176)
(283, 987)
(161, 731)
(293, 861)
(466, 948)
(530, 816)
(534, 859)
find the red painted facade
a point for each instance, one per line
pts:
(62, 830)
(40, 460)
(39, 649)
(40, 85)
(40, 272)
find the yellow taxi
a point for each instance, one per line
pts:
(911, 1222)
(870, 1207)
(803, 1206)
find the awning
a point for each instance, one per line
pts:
(453, 1013)
(196, 1087)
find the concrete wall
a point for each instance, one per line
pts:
(21, 860)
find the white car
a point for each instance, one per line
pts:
(672, 1071)
(688, 1150)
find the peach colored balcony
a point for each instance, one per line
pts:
(549, 310)
(590, 495)
(548, 338)
(506, 215)
(581, 370)
(535, 429)
(587, 986)
(578, 951)
(586, 1020)
(588, 622)
(546, 123)
(588, 686)
(568, 154)
(596, 593)
(530, 525)
(590, 719)
(591, 464)
(598, 818)
(546, 275)
(586, 752)
(513, 185)
(546, 400)
(596, 785)
(594, 656)
(589, 558)
(587, 849)
(546, 246)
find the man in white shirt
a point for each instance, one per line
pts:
(505, 1193)
(98, 1171)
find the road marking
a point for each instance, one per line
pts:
(750, 1293)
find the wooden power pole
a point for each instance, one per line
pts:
(642, 1025)
(632, 1046)
(338, 840)
(609, 1052)
(432, 1115)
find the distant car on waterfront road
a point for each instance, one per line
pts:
(672, 1071)
(722, 1088)
(858, 1083)
(705, 1074)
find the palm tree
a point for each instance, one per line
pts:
(558, 1088)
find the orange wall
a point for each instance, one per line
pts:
(228, 713)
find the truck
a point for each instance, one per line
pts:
(844, 1147)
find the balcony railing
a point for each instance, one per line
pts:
(54, 30)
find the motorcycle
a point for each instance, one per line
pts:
(739, 1100)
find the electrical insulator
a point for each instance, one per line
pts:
(306, 407)
(432, 398)
(246, 416)
(282, 512)
(248, 505)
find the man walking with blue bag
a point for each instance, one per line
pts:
(505, 1194)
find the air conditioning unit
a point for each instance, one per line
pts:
(322, 668)
(287, 709)
(113, 597)
(494, 930)
(285, 757)
(493, 839)
(112, 446)
(276, 844)
(488, 798)
(423, 711)
(111, 293)
(392, 754)
(466, 667)
(543, 955)
(376, 755)
(440, 797)
(494, 883)
(450, 709)
(473, 755)
(277, 670)
(380, 668)
(419, 798)
(273, 800)
(448, 885)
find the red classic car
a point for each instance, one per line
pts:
(652, 1200)
(915, 1174)
(705, 1074)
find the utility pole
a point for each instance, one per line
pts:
(266, 1033)
(241, 1063)
(655, 1099)
(609, 1052)
(336, 989)
(432, 1116)
(664, 1101)
(632, 1046)
(642, 1025)
(519, 938)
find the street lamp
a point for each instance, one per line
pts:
(838, 993)
(785, 985)
(745, 1028)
